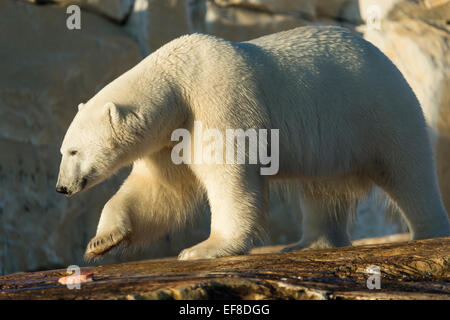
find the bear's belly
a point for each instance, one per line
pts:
(326, 162)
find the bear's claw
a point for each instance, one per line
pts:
(103, 243)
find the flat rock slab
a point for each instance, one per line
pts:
(409, 270)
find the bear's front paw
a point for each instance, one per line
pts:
(104, 242)
(209, 249)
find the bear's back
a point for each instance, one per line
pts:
(327, 65)
(317, 48)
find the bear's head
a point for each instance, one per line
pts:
(90, 152)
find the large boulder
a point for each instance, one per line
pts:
(241, 22)
(167, 21)
(303, 8)
(342, 10)
(407, 270)
(196, 12)
(156, 22)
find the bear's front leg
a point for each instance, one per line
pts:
(153, 200)
(113, 229)
(238, 202)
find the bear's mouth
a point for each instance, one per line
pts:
(83, 183)
(81, 187)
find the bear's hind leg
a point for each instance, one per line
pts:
(414, 189)
(324, 225)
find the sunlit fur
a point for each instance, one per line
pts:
(347, 120)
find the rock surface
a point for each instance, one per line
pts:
(303, 8)
(408, 270)
(153, 23)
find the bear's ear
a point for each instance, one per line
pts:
(113, 112)
(80, 106)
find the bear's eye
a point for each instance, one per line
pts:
(73, 152)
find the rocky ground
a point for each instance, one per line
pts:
(409, 270)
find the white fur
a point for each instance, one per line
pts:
(347, 120)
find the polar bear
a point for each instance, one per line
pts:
(347, 121)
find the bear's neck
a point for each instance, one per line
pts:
(162, 90)
(155, 103)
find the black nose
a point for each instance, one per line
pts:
(61, 189)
